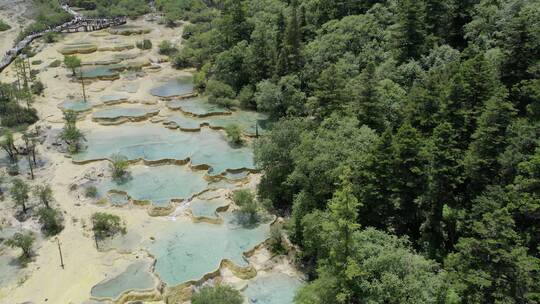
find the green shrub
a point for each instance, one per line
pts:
(55, 63)
(249, 207)
(167, 48)
(146, 44)
(217, 295)
(50, 220)
(24, 241)
(4, 26)
(246, 98)
(91, 192)
(50, 37)
(275, 242)
(37, 87)
(119, 165)
(220, 93)
(234, 133)
(106, 225)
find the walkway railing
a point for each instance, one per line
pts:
(77, 24)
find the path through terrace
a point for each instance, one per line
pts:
(77, 24)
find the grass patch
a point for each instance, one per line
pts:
(4, 26)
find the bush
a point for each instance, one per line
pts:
(37, 87)
(91, 192)
(4, 26)
(166, 48)
(181, 60)
(50, 220)
(24, 241)
(13, 115)
(274, 243)
(106, 225)
(119, 165)
(50, 37)
(37, 62)
(248, 206)
(50, 14)
(44, 194)
(220, 93)
(234, 133)
(55, 64)
(217, 295)
(246, 98)
(146, 44)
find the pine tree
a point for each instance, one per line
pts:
(234, 26)
(342, 223)
(293, 39)
(411, 34)
(489, 141)
(443, 181)
(408, 181)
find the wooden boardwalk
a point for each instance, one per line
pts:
(77, 24)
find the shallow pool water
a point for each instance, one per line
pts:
(197, 106)
(158, 184)
(99, 71)
(175, 87)
(273, 288)
(186, 251)
(207, 207)
(134, 111)
(153, 142)
(75, 105)
(136, 277)
(251, 123)
(113, 98)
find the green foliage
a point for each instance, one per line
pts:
(106, 225)
(249, 207)
(234, 134)
(50, 37)
(381, 268)
(220, 93)
(119, 165)
(182, 9)
(50, 14)
(37, 87)
(12, 114)
(55, 64)
(24, 241)
(217, 295)
(70, 134)
(44, 194)
(167, 48)
(145, 44)
(72, 62)
(419, 118)
(19, 192)
(50, 220)
(4, 26)
(91, 192)
(275, 242)
(113, 8)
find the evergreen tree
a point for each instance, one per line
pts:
(489, 141)
(443, 181)
(409, 180)
(234, 26)
(411, 34)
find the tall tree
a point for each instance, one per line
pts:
(489, 141)
(411, 30)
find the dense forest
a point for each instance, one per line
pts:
(405, 142)
(404, 145)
